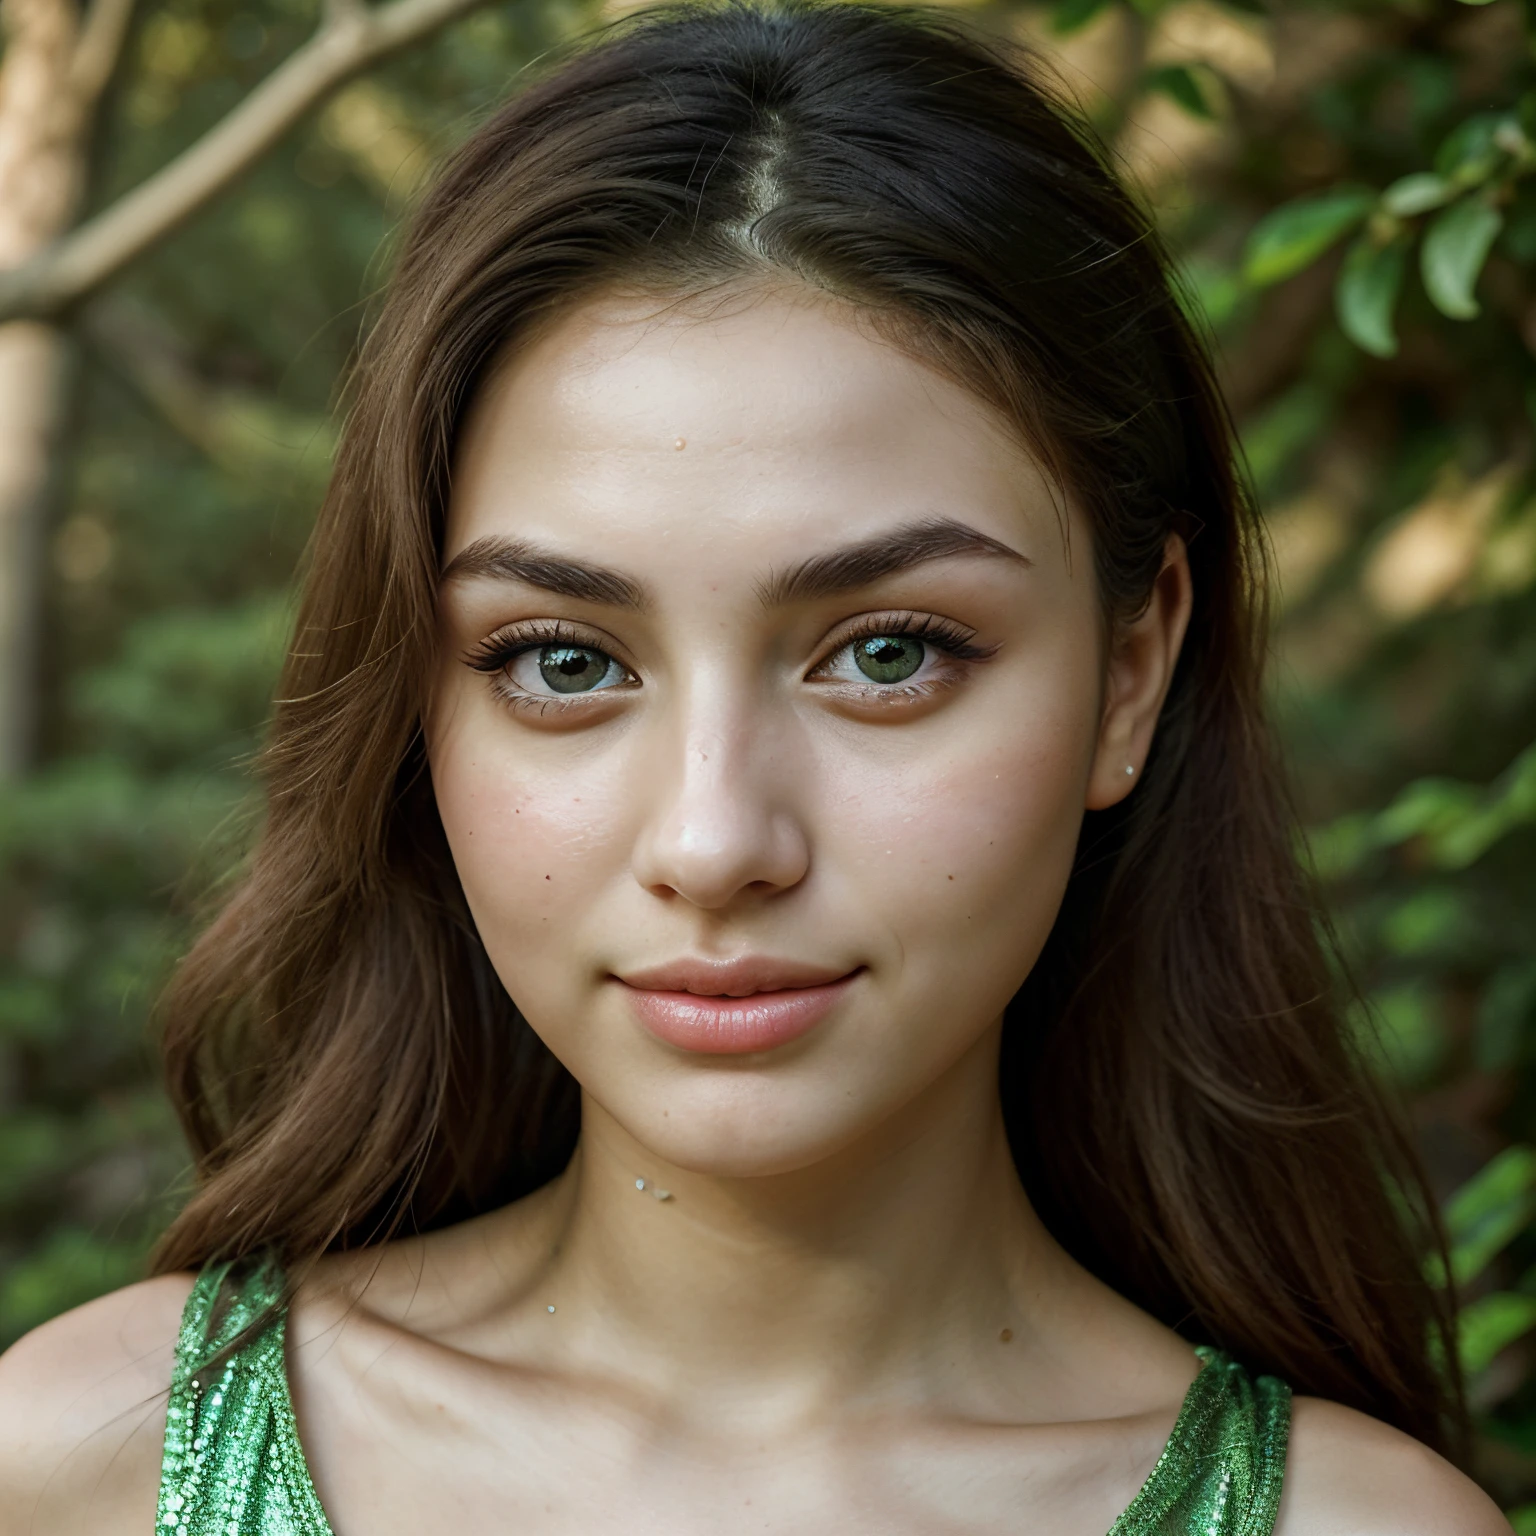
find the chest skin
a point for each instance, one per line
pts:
(327, 1417)
(414, 1440)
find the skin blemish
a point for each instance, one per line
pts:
(1006, 1336)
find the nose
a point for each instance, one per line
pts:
(721, 823)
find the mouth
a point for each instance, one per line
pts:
(736, 1007)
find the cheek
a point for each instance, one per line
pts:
(533, 841)
(966, 851)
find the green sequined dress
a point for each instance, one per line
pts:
(234, 1466)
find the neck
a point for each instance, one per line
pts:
(878, 1271)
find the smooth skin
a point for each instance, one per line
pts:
(844, 1317)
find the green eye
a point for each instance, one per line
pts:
(573, 668)
(888, 658)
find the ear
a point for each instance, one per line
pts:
(1142, 656)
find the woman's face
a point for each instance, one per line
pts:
(772, 690)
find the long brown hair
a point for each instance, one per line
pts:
(1186, 1102)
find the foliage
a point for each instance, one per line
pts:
(1348, 185)
(1363, 245)
(201, 441)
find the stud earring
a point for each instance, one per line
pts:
(1129, 769)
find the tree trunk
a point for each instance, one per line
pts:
(53, 72)
(46, 111)
(32, 402)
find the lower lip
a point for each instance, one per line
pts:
(736, 1026)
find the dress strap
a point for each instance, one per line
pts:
(232, 1464)
(1222, 1469)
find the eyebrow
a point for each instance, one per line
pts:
(826, 575)
(884, 554)
(513, 560)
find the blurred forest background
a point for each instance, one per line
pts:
(1348, 185)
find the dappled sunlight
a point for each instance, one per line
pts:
(1434, 550)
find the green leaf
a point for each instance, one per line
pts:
(1457, 823)
(1455, 247)
(1367, 293)
(1489, 1211)
(1070, 15)
(1488, 1324)
(1295, 234)
(1417, 193)
(1509, 803)
(1525, 114)
(1508, 1005)
(1406, 1026)
(1180, 84)
(1426, 808)
(1430, 921)
(1522, 1519)
(1285, 431)
(1211, 292)
(1470, 152)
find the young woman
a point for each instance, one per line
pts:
(774, 993)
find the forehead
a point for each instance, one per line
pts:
(760, 430)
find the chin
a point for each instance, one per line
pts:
(746, 1129)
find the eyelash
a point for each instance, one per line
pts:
(496, 652)
(944, 634)
(954, 641)
(506, 645)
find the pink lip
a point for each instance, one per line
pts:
(734, 1007)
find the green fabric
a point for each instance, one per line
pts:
(1221, 1471)
(234, 1467)
(233, 1464)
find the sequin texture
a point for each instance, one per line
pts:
(1221, 1470)
(234, 1466)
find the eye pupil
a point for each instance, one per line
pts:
(888, 658)
(572, 668)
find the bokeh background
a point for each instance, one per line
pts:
(1348, 186)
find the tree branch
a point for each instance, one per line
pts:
(97, 250)
(98, 49)
(237, 429)
(342, 10)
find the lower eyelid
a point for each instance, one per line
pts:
(893, 695)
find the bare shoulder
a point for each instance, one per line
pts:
(82, 1413)
(1349, 1475)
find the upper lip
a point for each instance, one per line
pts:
(733, 978)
